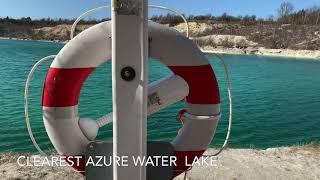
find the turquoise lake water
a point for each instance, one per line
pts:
(276, 100)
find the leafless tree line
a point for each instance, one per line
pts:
(305, 16)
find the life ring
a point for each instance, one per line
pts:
(192, 72)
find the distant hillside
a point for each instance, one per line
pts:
(43, 29)
(296, 30)
(268, 35)
(271, 35)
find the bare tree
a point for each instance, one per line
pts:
(318, 17)
(285, 10)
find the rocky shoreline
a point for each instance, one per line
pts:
(286, 53)
(39, 40)
(200, 33)
(301, 162)
(260, 51)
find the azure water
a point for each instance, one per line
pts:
(276, 100)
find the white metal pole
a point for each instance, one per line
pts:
(129, 84)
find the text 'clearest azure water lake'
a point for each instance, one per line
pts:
(276, 100)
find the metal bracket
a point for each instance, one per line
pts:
(127, 7)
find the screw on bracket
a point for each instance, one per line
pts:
(128, 73)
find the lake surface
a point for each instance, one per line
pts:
(276, 100)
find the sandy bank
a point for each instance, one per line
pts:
(301, 54)
(275, 163)
(306, 54)
(231, 44)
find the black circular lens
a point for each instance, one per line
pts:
(128, 73)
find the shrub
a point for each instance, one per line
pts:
(227, 43)
(205, 42)
(242, 44)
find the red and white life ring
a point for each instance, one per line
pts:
(192, 73)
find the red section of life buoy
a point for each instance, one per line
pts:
(62, 86)
(203, 85)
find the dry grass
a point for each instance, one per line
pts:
(313, 148)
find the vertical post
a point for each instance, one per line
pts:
(129, 84)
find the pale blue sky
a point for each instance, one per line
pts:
(72, 8)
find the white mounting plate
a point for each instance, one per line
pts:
(129, 49)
